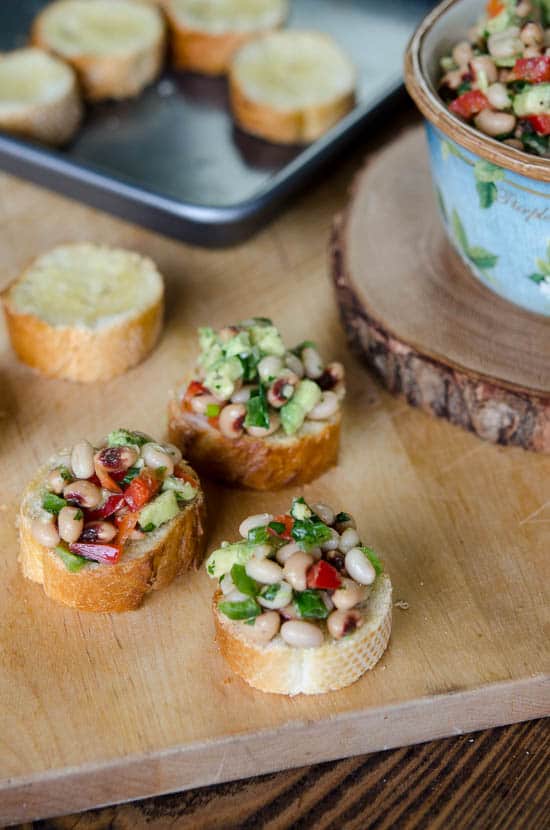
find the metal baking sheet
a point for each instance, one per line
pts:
(173, 160)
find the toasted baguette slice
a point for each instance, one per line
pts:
(206, 33)
(146, 565)
(85, 312)
(290, 87)
(284, 670)
(39, 96)
(116, 46)
(256, 463)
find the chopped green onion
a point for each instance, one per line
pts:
(131, 473)
(373, 559)
(78, 515)
(212, 410)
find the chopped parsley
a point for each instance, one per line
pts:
(310, 533)
(257, 414)
(53, 503)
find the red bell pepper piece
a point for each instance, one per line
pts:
(107, 509)
(534, 70)
(126, 525)
(110, 553)
(494, 8)
(142, 489)
(195, 388)
(288, 523)
(540, 123)
(469, 104)
(324, 576)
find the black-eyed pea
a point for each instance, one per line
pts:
(84, 493)
(295, 570)
(301, 634)
(333, 542)
(265, 627)
(342, 623)
(231, 420)
(82, 460)
(55, 482)
(156, 457)
(326, 408)
(348, 595)
(45, 532)
(116, 459)
(269, 368)
(101, 532)
(294, 363)
(70, 522)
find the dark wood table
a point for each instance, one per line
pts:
(493, 780)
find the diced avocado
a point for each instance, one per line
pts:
(501, 21)
(292, 417)
(207, 338)
(125, 438)
(159, 511)
(220, 378)
(268, 340)
(184, 490)
(300, 510)
(533, 101)
(307, 395)
(222, 560)
(238, 345)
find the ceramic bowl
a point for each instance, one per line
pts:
(494, 199)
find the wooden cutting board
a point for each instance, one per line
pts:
(97, 709)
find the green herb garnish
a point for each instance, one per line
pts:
(373, 559)
(53, 503)
(309, 533)
(244, 583)
(259, 536)
(342, 517)
(305, 344)
(72, 562)
(148, 527)
(277, 527)
(125, 438)
(310, 605)
(65, 473)
(243, 610)
(78, 515)
(131, 473)
(257, 414)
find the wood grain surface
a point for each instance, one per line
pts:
(418, 317)
(493, 780)
(99, 708)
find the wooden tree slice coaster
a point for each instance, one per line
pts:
(422, 322)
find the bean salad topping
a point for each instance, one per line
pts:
(104, 498)
(303, 575)
(499, 78)
(248, 383)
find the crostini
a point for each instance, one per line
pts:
(290, 87)
(205, 33)
(39, 96)
(100, 527)
(85, 312)
(303, 607)
(257, 414)
(116, 46)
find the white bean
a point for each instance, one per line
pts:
(333, 543)
(82, 460)
(296, 568)
(55, 481)
(300, 634)
(264, 570)
(348, 595)
(265, 627)
(45, 533)
(258, 520)
(498, 97)
(312, 362)
(242, 395)
(494, 123)
(226, 584)
(269, 367)
(173, 451)
(359, 567)
(262, 432)
(348, 540)
(156, 456)
(294, 363)
(342, 623)
(326, 408)
(483, 63)
(462, 53)
(325, 513)
(70, 523)
(316, 552)
(281, 599)
(284, 553)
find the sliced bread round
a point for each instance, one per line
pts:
(267, 463)
(285, 670)
(146, 565)
(206, 33)
(116, 46)
(290, 87)
(85, 312)
(39, 96)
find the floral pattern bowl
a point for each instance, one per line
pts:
(493, 198)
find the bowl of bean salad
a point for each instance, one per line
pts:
(479, 71)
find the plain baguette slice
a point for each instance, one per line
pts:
(39, 96)
(206, 33)
(116, 46)
(255, 463)
(282, 669)
(85, 312)
(146, 565)
(290, 87)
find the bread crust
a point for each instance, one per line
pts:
(110, 76)
(298, 126)
(122, 586)
(204, 52)
(281, 669)
(52, 122)
(253, 463)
